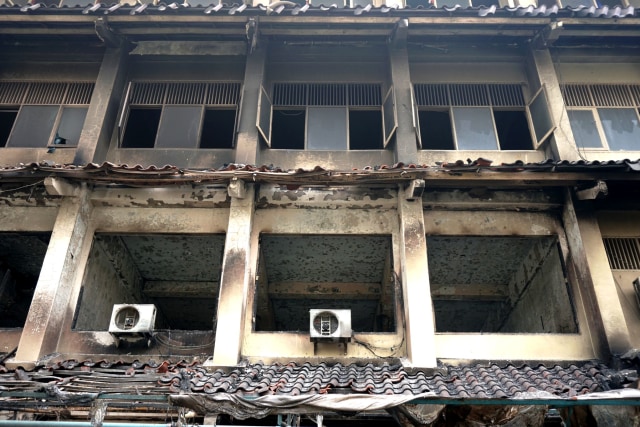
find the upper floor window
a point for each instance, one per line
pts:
(479, 117)
(604, 116)
(327, 116)
(39, 114)
(181, 115)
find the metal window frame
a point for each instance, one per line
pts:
(163, 101)
(61, 94)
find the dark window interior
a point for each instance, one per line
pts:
(500, 284)
(365, 130)
(7, 119)
(486, 3)
(142, 126)
(547, 3)
(513, 130)
(21, 258)
(218, 128)
(419, 3)
(435, 130)
(288, 129)
(297, 273)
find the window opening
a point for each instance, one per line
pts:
(297, 273)
(500, 284)
(179, 274)
(479, 117)
(58, 108)
(327, 116)
(21, 258)
(604, 116)
(181, 115)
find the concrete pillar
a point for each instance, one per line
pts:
(103, 111)
(542, 72)
(406, 148)
(248, 141)
(50, 303)
(418, 309)
(608, 326)
(235, 281)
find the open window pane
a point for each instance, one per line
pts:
(513, 130)
(474, 128)
(584, 128)
(327, 128)
(179, 127)
(621, 128)
(389, 114)
(142, 127)
(21, 258)
(365, 130)
(541, 119)
(33, 126)
(435, 130)
(263, 120)
(218, 128)
(7, 119)
(287, 129)
(500, 284)
(298, 273)
(177, 273)
(71, 124)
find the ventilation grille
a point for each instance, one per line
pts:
(147, 93)
(46, 93)
(444, 95)
(327, 94)
(601, 95)
(623, 252)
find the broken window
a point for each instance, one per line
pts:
(499, 284)
(327, 116)
(179, 274)
(36, 115)
(604, 116)
(181, 115)
(21, 258)
(297, 273)
(479, 117)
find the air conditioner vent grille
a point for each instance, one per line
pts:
(623, 252)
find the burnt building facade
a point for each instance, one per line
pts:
(363, 213)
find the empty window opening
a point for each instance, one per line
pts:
(142, 127)
(513, 129)
(59, 110)
(435, 128)
(181, 115)
(486, 3)
(419, 3)
(21, 258)
(499, 284)
(7, 119)
(288, 129)
(298, 273)
(180, 274)
(365, 130)
(547, 3)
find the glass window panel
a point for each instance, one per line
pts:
(474, 128)
(179, 127)
(71, 124)
(327, 128)
(33, 126)
(584, 128)
(621, 128)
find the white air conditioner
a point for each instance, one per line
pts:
(132, 321)
(330, 325)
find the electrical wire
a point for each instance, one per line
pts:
(20, 188)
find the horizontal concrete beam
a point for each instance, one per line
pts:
(313, 290)
(180, 289)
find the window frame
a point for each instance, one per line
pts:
(233, 91)
(387, 109)
(19, 96)
(538, 137)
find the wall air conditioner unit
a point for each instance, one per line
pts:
(328, 325)
(132, 322)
